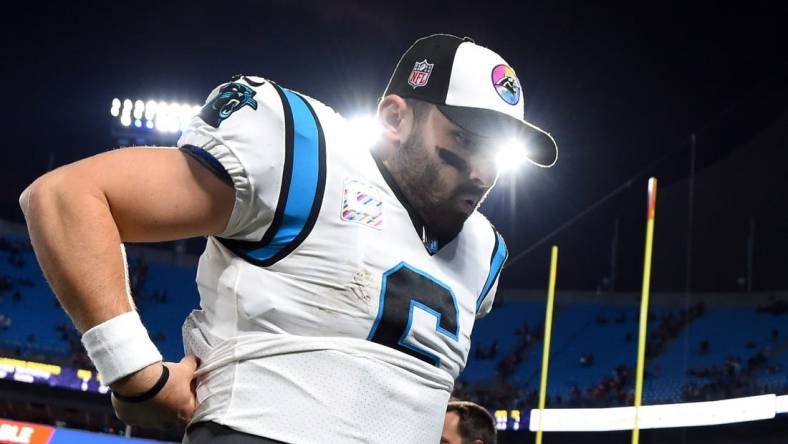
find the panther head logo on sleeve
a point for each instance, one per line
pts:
(231, 98)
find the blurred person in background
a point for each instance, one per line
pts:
(468, 423)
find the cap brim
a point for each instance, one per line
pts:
(540, 145)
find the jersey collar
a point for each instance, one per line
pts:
(432, 243)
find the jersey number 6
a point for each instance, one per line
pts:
(403, 289)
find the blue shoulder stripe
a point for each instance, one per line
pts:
(303, 184)
(499, 255)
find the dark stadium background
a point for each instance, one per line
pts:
(622, 86)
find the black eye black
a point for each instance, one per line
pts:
(452, 159)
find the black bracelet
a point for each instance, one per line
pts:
(165, 375)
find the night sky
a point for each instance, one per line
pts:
(621, 86)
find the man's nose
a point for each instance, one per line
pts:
(483, 172)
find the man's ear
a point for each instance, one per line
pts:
(396, 119)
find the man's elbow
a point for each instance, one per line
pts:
(24, 200)
(42, 190)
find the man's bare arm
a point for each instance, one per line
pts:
(79, 214)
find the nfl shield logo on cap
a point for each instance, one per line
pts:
(420, 74)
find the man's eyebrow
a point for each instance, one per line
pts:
(465, 134)
(475, 142)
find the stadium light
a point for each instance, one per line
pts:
(364, 130)
(139, 108)
(150, 109)
(511, 155)
(160, 116)
(115, 110)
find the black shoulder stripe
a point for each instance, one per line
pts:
(287, 169)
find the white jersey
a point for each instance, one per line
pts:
(325, 317)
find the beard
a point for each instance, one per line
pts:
(418, 175)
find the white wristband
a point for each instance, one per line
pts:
(120, 346)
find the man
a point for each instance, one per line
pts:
(339, 285)
(468, 423)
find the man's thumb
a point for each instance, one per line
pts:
(191, 361)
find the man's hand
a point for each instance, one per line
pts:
(173, 405)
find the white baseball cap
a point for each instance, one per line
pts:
(473, 87)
